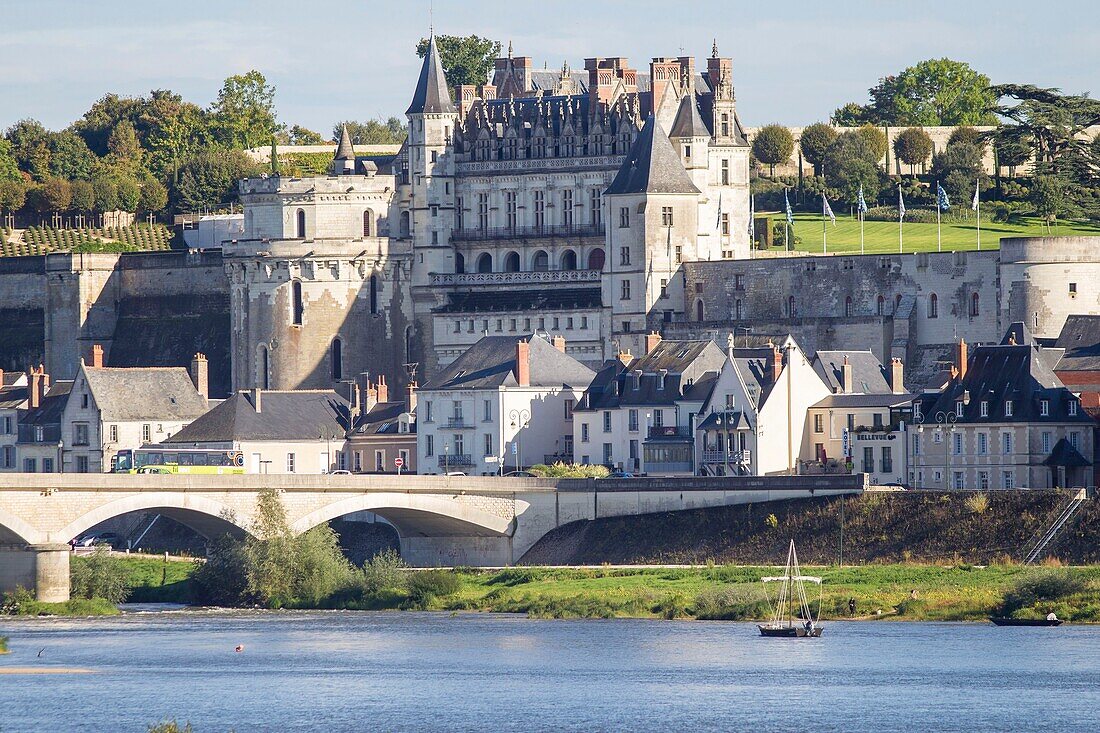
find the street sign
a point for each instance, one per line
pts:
(515, 449)
(846, 443)
(399, 461)
(491, 459)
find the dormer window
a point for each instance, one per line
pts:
(959, 409)
(1044, 408)
(1073, 408)
(917, 416)
(983, 408)
(1008, 408)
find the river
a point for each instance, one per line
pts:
(337, 671)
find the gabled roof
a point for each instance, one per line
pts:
(673, 371)
(652, 166)
(298, 415)
(1080, 338)
(383, 419)
(868, 374)
(345, 150)
(491, 362)
(688, 121)
(432, 94)
(49, 413)
(144, 393)
(1064, 454)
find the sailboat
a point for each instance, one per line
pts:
(792, 592)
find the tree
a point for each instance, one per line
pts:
(129, 194)
(103, 117)
(373, 132)
(270, 553)
(465, 59)
(957, 168)
(154, 196)
(124, 151)
(1048, 196)
(299, 135)
(850, 115)
(208, 179)
(9, 167)
(13, 195)
(83, 196)
(1051, 124)
(912, 147)
(244, 113)
(876, 140)
(967, 134)
(70, 156)
(106, 194)
(171, 129)
(851, 162)
(773, 145)
(30, 147)
(933, 92)
(815, 142)
(52, 195)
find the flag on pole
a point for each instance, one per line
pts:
(787, 207)
(901, 205)
(718, 221)
(826, 210)
(941, 198)
(752, 219)
(861, 204)
(974, 203)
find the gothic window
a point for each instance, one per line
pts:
(624, 217)
(666, 216)
(300, 232)
(595, 207)
(483, 211)
(725, 172)
(933, 306)
(540, 262)
(790, 307)
(460, 263)
(725, 126)
(567, 208)
(297, 307)
(595, 259)
(699, 310)
(624, 255)
(974, 309)
(263, 367)
(510, 208)
(406, 226)
(569, 260)
(738, 310)
(337, 360)
(511, 262)
(625, 294)
(880, 308)
(373, 294)
(485, 262)
(540, 209)
(368, 225)
(458, 212)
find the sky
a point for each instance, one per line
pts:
(793, 62)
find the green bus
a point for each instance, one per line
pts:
(178, 460)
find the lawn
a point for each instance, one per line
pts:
(882, 236)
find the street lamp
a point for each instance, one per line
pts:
(747, 330)
(946, 421)
(446, 455)
(520, 420)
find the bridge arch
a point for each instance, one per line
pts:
(207, 517)
(416, 515)
(14, 531)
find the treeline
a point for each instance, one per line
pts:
(154, 154)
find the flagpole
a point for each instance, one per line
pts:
(978, 213)
(861, 233)
(939, 237)
(824, 229)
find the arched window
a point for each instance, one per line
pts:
(880, 308)
(406, 226)
(337, 360)
(595, 259)
(540, 262)
(699, 310)
(933, 306)
(848, 306)
(738, 310)
(460, 263)
(511, 262)
(297, 307)
(790, 307)
(569, 260)
(263, 380)
(974, 309)
(897, 303)
(300, 233)
(485, 262)
(373, 294)
(368, 223)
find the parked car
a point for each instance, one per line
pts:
(97, 538)
(454, 473)
(521, 474)
(339, 472)
(620, 474)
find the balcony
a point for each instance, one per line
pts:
(458, 423)
(669, 431)
(734, 458)
(455, 460)
(548, 231)
(516, 278)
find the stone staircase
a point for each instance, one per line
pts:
(1036, 548)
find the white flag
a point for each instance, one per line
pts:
(974, 204)
(826, 210)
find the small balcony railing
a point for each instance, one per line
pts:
(516, 278)
(669, 431)
(733, 457)
(457, 423)
(451, 460)
(553, 231)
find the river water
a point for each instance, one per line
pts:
(342, 671)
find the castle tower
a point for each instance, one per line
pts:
(653, 209)
(692, 140)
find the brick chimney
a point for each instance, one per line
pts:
(1, 377)
(200, 374)
(383, 389)
(523, 363)
(410, 397)
(559, 343)
(37, 391)
(651, 340)
(257, 399)
(777, 362)
(97, 356)
(960, 358)
(846, 381)
(624, 357)
(897, 376)
(372, 398)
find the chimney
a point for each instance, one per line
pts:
(34, 394)
(651, 340)
(372, 397)
(897, 376)
(777, 362)
(1, 377)
(410, 397)
(97, 356)
(256, 399)
(846, 381)
(383, 389)
(558, 343)
(961, 358)
(624, 357)
(200, 374)
(523, 363)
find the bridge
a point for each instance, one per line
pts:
(441, 520)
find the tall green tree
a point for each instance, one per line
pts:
(9, 166)
(30, 147)
(244, 113)
(13, 195)
(208, 179)
(850, 162)
(83, 196)
(298, 135)
(815, 142)
(773, 145)
(876, 140)
(125, 153)
(957, 168)
(373, 132)
(70, 156)
(154, 196)
(932, 92)
(52, 195)
(170, 130)
(912, 146)
(103, 117)
(106, 194)
(465, 59)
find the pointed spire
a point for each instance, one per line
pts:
(274, 157)
(714, 49)
(688, 123)
(509, 48)
(652, 165)
(345, 150)
(432, 94)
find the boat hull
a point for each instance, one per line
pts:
(1025, 622)
(789, 632)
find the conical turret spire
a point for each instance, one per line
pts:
(345, 150)
(652, 165)
(432, 94)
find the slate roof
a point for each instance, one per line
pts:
(865, 400)
(652, 165)
(13, 396)
(1080, 339)
(997, 374)
(490, 363)
(522, 300)
(49, 412)
(432, 95)
(144, 393)
(382, 419)
(1065, 454)
(688, 121)
(283, 416)
(345, 150)
(869, 376)
(676, 362)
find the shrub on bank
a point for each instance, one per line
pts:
(1038, 590)
(427, 585)
(99, 575)
(732, 603)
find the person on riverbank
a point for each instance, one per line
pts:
(851, 606)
